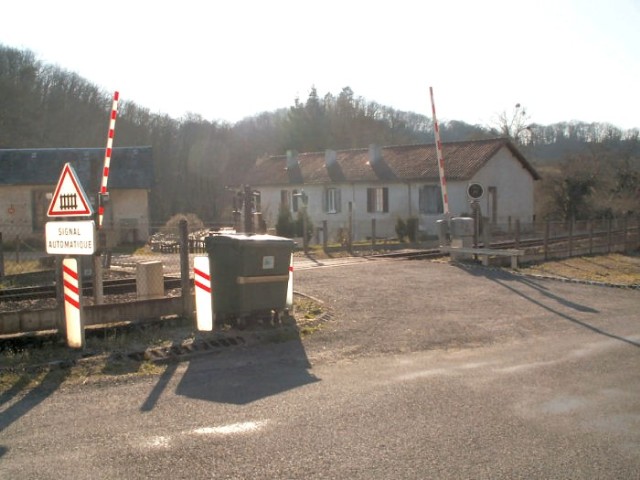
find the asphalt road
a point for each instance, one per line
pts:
(425, 371)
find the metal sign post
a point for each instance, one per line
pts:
(71, 238)
(74, 320)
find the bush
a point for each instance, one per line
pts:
(299, 224)
(412, 229)
(284, 225)
(193, 223)
(401, 229)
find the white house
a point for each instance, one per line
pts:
(28, 178)
(385, 183)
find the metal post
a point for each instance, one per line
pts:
(98, 293)
(517, 243)
(305, 240)
(184, 270)
(98, 290)
(590, 237)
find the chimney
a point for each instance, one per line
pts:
(375, 154)
(293, 168)
(292, 160)
(330, 159)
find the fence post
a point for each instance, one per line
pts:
(547, 227)
(571, 225)
(325, 235)
(625, 232)
(517, 242)
(590, 236)
(609, 228)
(17, 249)
(1, 257)
(350, 231)
(184, 269)
(373, 234)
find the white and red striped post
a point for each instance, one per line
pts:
(289, 301)
(443, 179)
(73, 303)
(204, 299)
(107, 157)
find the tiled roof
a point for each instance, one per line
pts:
(400, 163)
(131, 167)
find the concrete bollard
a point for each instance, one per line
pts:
(149, 280)
(461, 236)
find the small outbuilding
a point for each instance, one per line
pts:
(28, 178)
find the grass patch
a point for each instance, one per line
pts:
(46, 362)
(614, 268)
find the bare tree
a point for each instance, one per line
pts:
(515, 125)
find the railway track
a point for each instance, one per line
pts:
(110, 287)
(128, 285)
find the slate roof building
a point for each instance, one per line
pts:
(396, 181)
(28, 178)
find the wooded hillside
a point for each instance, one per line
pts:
(595, 168)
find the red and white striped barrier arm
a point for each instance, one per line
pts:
(107, 155)
(443, 180)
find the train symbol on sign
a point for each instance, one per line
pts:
(69, 199)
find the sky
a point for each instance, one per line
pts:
(225, 60)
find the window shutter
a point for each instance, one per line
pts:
(371, 199)
(338, 200)
(385, 200)
(325, 200)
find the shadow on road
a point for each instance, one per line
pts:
(160, 386)
(243, 376)
(511, 281)
(45, 387)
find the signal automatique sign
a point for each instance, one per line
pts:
(71, 238)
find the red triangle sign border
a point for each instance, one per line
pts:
(79, 205)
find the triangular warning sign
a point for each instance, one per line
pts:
(69, 199)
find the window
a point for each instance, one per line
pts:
(378, 200)
(290, 199)
(332, 202)
(430, 199)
